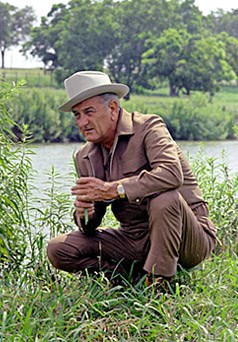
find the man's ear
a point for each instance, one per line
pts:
(114, 108)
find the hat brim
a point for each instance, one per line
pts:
(119, 89)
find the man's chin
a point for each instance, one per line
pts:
(91, 138)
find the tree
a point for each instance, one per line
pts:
(221, 21)
(73, 37)
(89, 34)
(207, 65)
(189, 62)
(15, 25)
(138, 21)
(231, 46)
(166, 57)
(43, 38)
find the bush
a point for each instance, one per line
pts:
(197, 119)
(37, 108)
(15, 169)
(220, 189)
(187, 119)
(25, 221)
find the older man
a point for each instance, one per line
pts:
(129, 162)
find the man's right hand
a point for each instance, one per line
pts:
(81, 205)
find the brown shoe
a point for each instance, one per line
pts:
(161, 284)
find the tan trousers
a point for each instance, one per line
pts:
(175, 235)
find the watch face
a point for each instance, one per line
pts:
(121, 190)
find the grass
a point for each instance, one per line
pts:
(41, 304)
(34, 77)
(226, 97)
(84, 308)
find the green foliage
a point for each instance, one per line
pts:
(220, 190)
(138, 44)
(15, 168)
(108, 32)
(189, 62)
(222, 21)
(193, 118)
(37, 108)
(18, 244)
(197, 119)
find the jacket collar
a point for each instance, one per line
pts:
(125, 125)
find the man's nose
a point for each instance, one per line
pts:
(83, 121)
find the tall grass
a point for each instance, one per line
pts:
(38, 303)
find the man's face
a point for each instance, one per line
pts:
(97, 120)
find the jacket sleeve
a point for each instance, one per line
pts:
(164, 172)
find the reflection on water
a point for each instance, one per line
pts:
(60, 156)
(214, 149)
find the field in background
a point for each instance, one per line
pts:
(34, 77)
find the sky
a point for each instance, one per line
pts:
(14, 59)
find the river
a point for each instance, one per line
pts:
(59, 156)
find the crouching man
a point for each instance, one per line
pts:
(130, 162)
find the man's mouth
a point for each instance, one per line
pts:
(88, 130)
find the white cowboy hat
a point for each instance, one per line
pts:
(85, 84)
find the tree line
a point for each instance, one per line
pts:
(138, 42)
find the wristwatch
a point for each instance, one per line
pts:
(121, 191)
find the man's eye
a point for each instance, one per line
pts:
(89, 111)
(76, 115)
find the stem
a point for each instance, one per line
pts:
(79, 175)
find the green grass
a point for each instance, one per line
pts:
(85, 308)
(34, 77)
(227, 98)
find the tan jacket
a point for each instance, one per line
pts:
(147, 161)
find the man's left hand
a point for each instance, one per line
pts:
(94, 189)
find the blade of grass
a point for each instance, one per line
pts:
(79, 175)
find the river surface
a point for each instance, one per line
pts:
(59, 156)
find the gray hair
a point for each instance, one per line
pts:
(107, 97)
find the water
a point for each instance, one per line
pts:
(59, 156)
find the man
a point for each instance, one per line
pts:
(129, 162)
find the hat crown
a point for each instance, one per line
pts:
(84, 80)
(85, 84)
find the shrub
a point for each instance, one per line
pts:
(37, 108)
(15, 168)
(197, 119)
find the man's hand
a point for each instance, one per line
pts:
(80, 207)
(91, 189)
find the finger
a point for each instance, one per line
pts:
(85, 180)
(83, 204)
